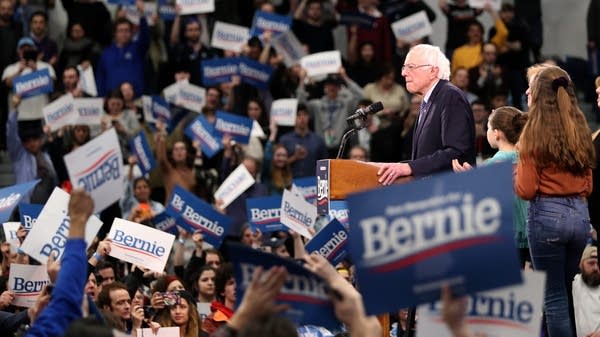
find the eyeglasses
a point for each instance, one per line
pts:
(411, 67)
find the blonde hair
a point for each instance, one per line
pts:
(556, 133)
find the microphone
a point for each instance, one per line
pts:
(363, 112)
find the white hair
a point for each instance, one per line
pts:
(433, 55)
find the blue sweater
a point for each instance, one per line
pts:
(120, 64)
(67, 296)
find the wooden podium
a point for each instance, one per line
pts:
(336, 178)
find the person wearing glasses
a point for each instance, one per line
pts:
(445, 128)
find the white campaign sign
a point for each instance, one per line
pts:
(141, 245)
(514, 311)
(27, 282)
(89, 110)
(257, 130)
(147, 109)
(189, 96)
(10, 233)
(170, 92)
(87, 81)
(236, 183)
(287, 45)
(229, 37)
(297, 214)
(327, 62)
(283, 111)
(97, 168)
(162, 332)
(481, 3)
(412, 27)
(133, 15)
(50, 232)
(195, 6)
(61, 112)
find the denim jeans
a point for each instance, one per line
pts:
(557, 230)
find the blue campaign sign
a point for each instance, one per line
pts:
(263, 213)
(308, 186)
(166, 10)
(28, 214)
(122, 2)
(338, 209)
(330, 242)
(220, 70)
(255, 73)
(204, 132)
(323, 187)
(193, 214)
(304, 291)
(357, 18)
(442, 230)
(268, 21)
(165, 222)
(161, 109)
(238, 127)
(141, 149)
(33, 84)
(11, 196)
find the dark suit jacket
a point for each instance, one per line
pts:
(446, 132)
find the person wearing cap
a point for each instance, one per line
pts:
(29, 108)
(277, 246)
(331, 110)
(586, 294)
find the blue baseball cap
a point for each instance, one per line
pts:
(25, 41)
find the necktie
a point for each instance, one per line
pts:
(422, 112)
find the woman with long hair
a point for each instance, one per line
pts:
(554, 173)
(183, 314)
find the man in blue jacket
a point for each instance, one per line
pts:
(124, 59)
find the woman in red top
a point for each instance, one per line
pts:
(556, 156)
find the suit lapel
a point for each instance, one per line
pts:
(428, 112)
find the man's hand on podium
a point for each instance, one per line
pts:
(389, 172)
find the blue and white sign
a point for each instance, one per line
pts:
(255, 73)
(165, 222)
(60, 113)
(304, 291)
(97, 167)
(307, 187)
(166, 11)
(264, 21)
(121, 2)
(330, 242)
(191, 97)
(10, 234)
(227, 36)
(236, 183)
(263, 213)
(323, 187)
(236, 126)
(11, 196)
(323, 63)
(195, 214)
(28, 214)
(50, 232)
(514, 311)
(283, 111)
(204, 132)
(338, 209)
(441, 230)
(412, 27)
(139, 244)
(141, 149)
(195, 6)
(133, 15)
(297, 214)
(289, 47)
(89, 110)
(357, 18)
(33, 84)
(27, 282)
(160, 109)
(219, 70)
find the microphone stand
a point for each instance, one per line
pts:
(355, 125)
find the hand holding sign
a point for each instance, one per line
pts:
(259, 298)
